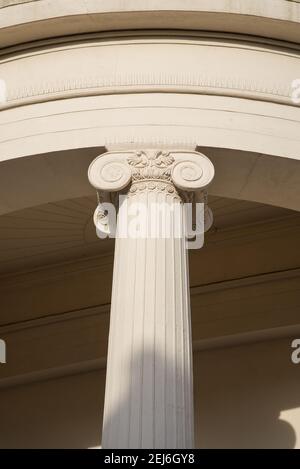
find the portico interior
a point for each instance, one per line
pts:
(86, 84)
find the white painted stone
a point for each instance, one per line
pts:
(149, 382)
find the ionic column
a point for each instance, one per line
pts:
(149, 381)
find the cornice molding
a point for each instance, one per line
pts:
(194, 291)
(84, 319)
(147, 77)
(198, 346)
(64, 17)
(184, 83)
(55, 318)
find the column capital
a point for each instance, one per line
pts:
(186, 170)
(181, 174)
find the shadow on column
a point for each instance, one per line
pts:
(123, 428)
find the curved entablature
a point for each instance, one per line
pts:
(150, 63)
(25, 21)
(178, 91)
(236, 95)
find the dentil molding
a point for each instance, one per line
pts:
(99, 66)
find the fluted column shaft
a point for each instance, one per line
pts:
(149, 396)
(149, 381)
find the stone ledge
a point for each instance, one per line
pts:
(34, 20)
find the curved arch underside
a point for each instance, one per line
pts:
(63, 175)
